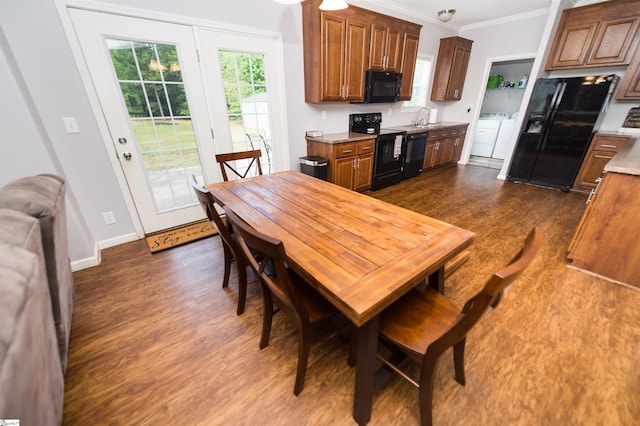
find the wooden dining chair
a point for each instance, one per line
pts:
(287, 290)
(423, 325)
(230, 247)
(259, 141)
(227, 162)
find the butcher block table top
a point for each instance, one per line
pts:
(360, 253)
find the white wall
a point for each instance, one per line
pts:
(53, 89)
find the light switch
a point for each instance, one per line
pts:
(71, 124)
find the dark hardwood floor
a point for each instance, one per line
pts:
(155, 339)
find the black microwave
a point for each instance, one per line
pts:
(382, 86)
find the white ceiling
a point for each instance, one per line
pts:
(468, 12)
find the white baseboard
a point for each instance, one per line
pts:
(94, 260)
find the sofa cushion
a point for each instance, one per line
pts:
(43, 197)
(31, 380)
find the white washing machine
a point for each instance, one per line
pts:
(507, 127)
(486, 133)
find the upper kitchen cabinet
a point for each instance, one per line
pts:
(451, 69)
(386, 44)
(409, 57)
(340, 45)
(336, 54)
(630, 84)
(602, 34)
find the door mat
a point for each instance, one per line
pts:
(180, 235)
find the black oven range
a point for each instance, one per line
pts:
(389, 152)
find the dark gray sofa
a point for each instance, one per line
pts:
(43, 197)
(31, 380)
(36, 299)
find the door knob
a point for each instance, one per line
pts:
(126, 155)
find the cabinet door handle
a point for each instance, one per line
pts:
(366, 148)
(358, 163)
(594, 190)
(455, 94)
(608, 146)
(347, 151)
(354, 164)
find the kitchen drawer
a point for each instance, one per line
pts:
(366, 147)
(345, 150)
(609, 142)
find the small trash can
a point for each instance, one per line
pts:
(315, 166)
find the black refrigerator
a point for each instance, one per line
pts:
(560, 120)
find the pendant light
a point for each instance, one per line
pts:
(333, 5)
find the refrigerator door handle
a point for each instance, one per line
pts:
(555, 103)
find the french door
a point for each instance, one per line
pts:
(168, 113)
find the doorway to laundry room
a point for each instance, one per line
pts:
(500, 108)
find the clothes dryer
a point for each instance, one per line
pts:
(486, 133)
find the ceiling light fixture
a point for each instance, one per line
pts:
(446, 14)
(333, 5)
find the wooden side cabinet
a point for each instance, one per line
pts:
(451, 69)
(602, 34)
(350, 163)
(606, 240)
(602, 148)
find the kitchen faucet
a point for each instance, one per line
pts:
(421, 121)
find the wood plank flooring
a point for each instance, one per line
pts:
(155, 339)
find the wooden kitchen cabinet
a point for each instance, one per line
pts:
(630, 83)
(409, 57)
(606, 240)
(451, 69)
(386, 45)
(340, 45)
(336, 54)
(602, 148)
(602, 34)
(444, 147)
(350, 163)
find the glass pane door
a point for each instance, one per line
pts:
(152, 88)
(245, 90)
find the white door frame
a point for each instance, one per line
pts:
(466, 152)
(64, 5)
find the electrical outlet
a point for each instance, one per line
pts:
(390, 111)
(71, 124)
(109, 218)
(324, 115)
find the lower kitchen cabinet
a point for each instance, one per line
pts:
(350, 163)
(444, 147)
(602, 148)
(606, 240)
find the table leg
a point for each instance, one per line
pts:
(367, 346)
(436, 280)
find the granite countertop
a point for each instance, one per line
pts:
(333, 138)
(626, 161)
(426, 128)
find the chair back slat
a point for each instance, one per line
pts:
(227, 163)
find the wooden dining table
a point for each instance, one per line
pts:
(360, 253)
